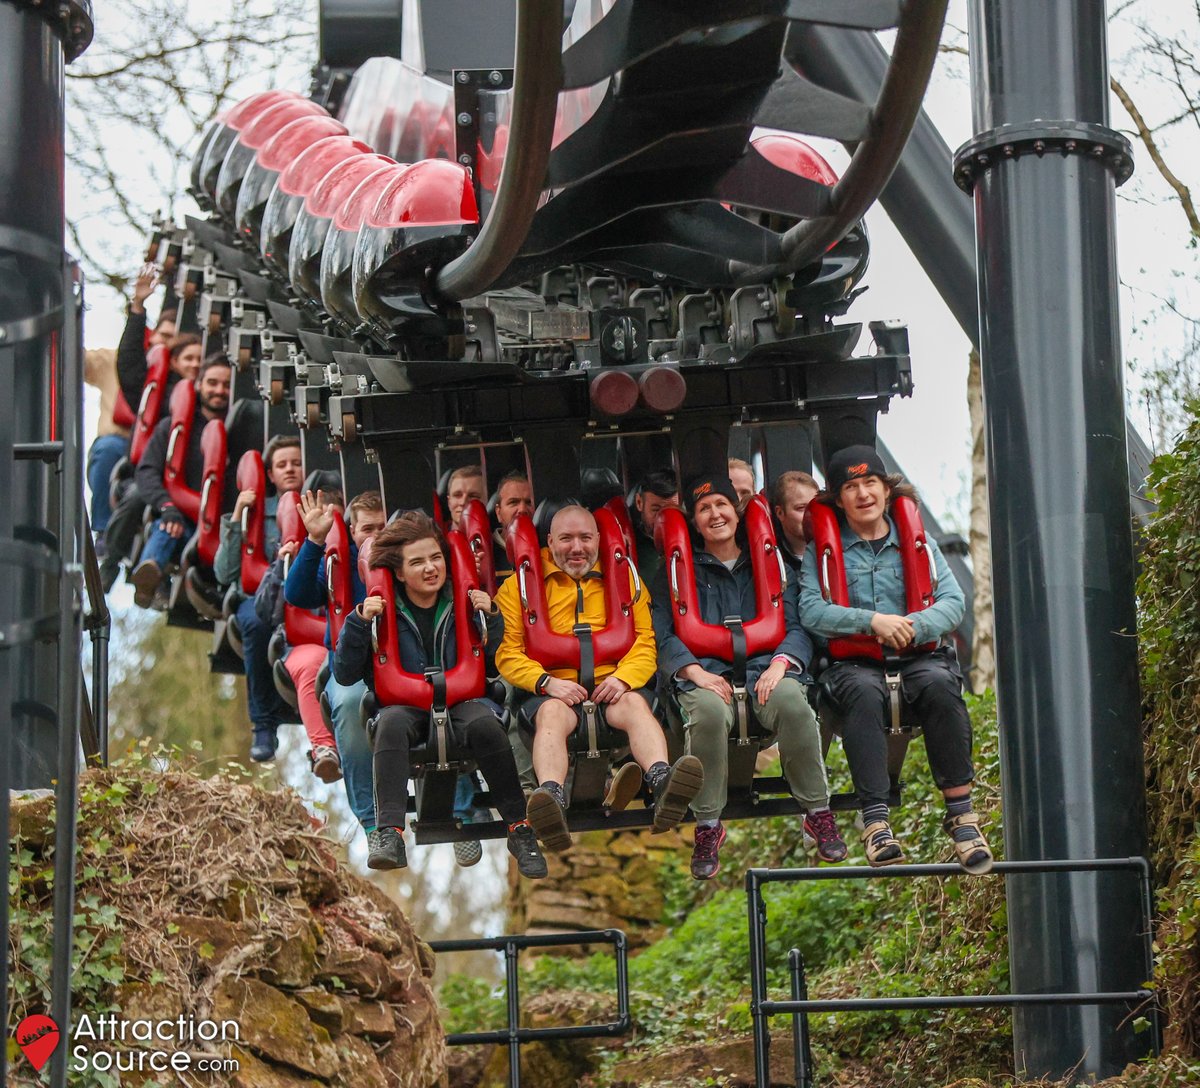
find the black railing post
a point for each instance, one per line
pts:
(805, 1074)
(513, 981)
(758, 980)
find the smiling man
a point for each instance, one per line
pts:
(549, 700)
(172, 529)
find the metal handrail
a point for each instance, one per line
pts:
(800, 1005)
(513, 1034)
(537, 79)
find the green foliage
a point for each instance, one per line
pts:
(1169, 634)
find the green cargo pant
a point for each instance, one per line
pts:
(786, 717)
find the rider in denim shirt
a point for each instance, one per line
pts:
(854, 694)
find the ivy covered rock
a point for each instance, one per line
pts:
(212, 899)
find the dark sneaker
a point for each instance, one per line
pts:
(547, 813)
(705, 854)
(145, 577)
(522, 844)
(326, 764)
(674, 789)
(821, 827)
(385, 849)
(468, 852)
(262, 750)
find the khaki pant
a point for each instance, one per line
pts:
(787, 719)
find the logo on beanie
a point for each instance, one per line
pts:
(702, 489)
(858, 470)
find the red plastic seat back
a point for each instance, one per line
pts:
(339, 578)
(154, 389)
(821, 526)
(766, 629)
(252, 476)
(183, 414)
(394, 686)
(214, 447)
(300, 625)
(123, 415)
(476, 527)
(622, 585)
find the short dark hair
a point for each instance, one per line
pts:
(216, 359)
(178, 343)
(515, 476)
(279, 442)
(167, 315)
(390, 542)
(660, 482)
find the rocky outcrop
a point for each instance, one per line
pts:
(230, 906)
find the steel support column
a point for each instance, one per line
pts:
(1043, 170)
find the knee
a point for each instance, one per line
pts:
(555, 718)
(707, 715)
(395, 730)
(484, 731)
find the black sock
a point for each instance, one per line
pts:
(960, 806)
(873, 813)
(655, 774)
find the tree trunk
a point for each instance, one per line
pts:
(983, 653)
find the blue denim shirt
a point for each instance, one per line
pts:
(875, 583)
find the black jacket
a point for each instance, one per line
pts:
(353, 660)
(149, 475)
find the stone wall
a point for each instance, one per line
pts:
(608, 879)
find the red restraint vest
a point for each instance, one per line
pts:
(158, 370)
(467, 679)
(215, 452)
(766, 630)
(339, 578)
(183, 414)
(821, 526)
(476, 527)
(553, 650)
(300, 625)
(252, 476)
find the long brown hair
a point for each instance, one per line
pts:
(387, 550)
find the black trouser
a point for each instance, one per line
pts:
(856, 694)
(399, 729)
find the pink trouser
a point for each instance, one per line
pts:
(303, 663)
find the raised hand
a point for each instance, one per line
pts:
(317, 516)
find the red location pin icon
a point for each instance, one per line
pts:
(37, 1036)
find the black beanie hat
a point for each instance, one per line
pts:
(700, 486)
(853, 463)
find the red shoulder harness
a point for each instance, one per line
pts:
(766, 630)
(183, 413)
(212, 490)
(920, 575)
(552, 649)
(620, 511)
(252, 476)
(394, 686)
(476, 526)
(339, 578)
(158, 367)
(300, 625)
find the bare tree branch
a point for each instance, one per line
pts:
(1147, 137)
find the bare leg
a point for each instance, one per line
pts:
(553, 724)
(631, 715)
